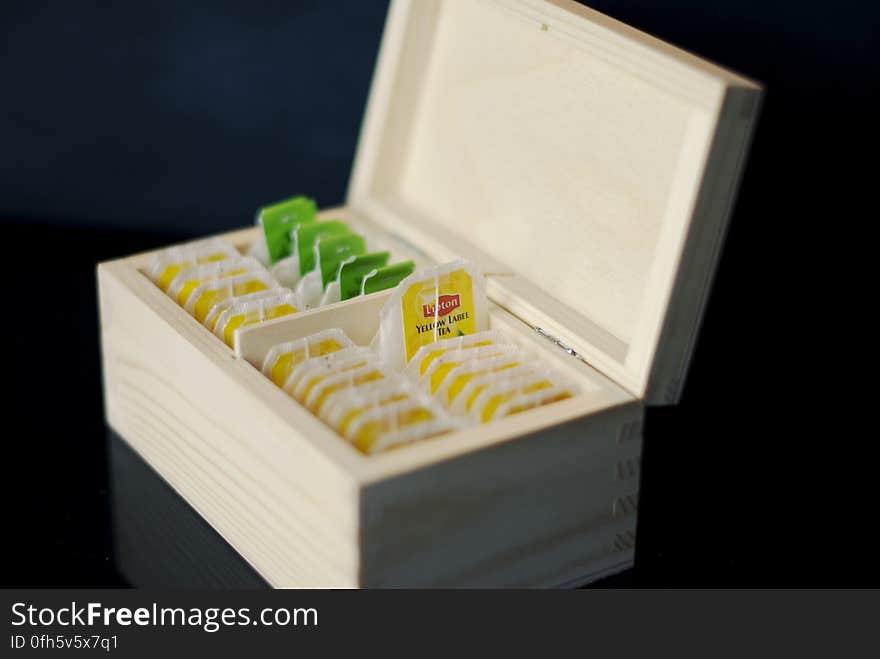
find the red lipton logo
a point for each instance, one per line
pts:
(445, 305)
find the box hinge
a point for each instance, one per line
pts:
(559, 344)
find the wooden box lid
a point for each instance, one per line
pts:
(587, 167)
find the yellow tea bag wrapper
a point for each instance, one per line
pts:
(518, 394)
(425, 355)
(458, 378)
(251, 312)
(284, 357)
(475, 385)
(342, 407)
(168, 263)
(214, 314)
(442, 302)
(348, 379)
(208, 294)
(442, 366)
(310, 373)
(187, 280)
(391, 425)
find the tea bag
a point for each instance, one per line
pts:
(347, 379)
(250, 312)
(464, 399)
(459, 376)
(309, 373)
(409, 434)
(345, 405)
(329, 252)
(284, 357)
(279, 220)
(517, 394)
(168, 263)
(350, 275)
(389, 276)
(187, 280)
(206, 295)
(219, 307)
(436, 374)
(288, 271)
(385, 426)
(436, 303)
(428, 353)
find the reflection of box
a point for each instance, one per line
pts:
(589, 170)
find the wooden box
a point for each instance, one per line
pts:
(589, 170)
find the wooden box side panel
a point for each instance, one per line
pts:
(544, 510)
(192, 411)
(673, 342)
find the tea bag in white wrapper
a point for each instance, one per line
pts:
(442, 302)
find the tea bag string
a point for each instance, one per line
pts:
(436, 303)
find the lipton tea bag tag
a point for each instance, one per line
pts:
(279, 219)
(329, 252)
(437, 303)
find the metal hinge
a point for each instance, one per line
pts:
(571, 351)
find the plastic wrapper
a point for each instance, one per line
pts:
(436, 303)
(513, 395)
(168, 263)
(284, 357)
(342, 407)
(309, 373)
(252, 312)
(395, 424)
(206, 295)
(187, 280)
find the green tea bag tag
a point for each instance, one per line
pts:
(332, 251)
(347, 283)
(328, 251)
(390, 276)
(278, 221)
(289, 271)
(305, 237)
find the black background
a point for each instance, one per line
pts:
(125, 126)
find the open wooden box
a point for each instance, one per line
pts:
(589, 170)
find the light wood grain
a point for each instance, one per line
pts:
(292, 497)
(545, 140)
(358, 317)
(532, 511)
(199, 417)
